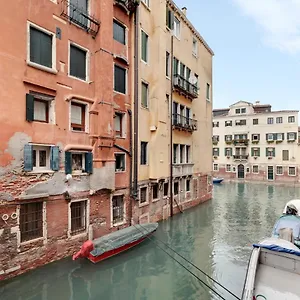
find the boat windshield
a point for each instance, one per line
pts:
(292, 222)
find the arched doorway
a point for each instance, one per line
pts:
(241, 171)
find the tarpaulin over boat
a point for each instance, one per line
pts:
(120, 238)
(277, 249)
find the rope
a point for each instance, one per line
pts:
(231, 293)
(260, 296)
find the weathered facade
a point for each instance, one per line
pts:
(252, 142)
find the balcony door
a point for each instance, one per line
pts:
(241, 171)
(270, 173)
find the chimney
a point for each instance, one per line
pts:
(184, 9)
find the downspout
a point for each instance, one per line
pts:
(130, 171)
(171, 130)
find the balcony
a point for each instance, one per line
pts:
(244, 142)
(181, 122)
(184, 87)
(128, 5)
(80, 16)
(241, 157)
(182, 169)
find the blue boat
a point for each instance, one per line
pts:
(217, 180)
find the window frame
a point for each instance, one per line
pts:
(256, 120)
(270, 120)
(78, 172)
(122, 116)
(123, 26)
(188, 186)
(207, 91)
(147, 47)
(38, 148)
(175, 27)
(119, 170)
(118, 223)
(217, 168)
(195, 49)
(126, 79)
(277, 173)
(292, 175)
(166, 183)
(147, 196)
(152, 192)
(168, 59)
(85, 114)
(253, 169)
(279, 120)
(228, 169)
(147, 88)
(288, 155)
(144, 162)
(293, 119)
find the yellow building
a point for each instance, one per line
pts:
(165, 34)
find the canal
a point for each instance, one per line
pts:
(216, 236)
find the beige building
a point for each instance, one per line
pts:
(252, 142)
(190, 101)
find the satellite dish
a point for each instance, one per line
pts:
(193, 79)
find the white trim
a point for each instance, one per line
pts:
(87, 115)
(147, 5)
(126, 78)
(147, 196)
(292, 175)
(39, 148)
(87, 62)
(174, 33)
(124, 154)
(36, 65)
(112, 224)
(277, 174)
(163, 190)
(257, 169)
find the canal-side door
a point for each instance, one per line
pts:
(270, 173)
(241, 171)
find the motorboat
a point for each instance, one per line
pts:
(217, 180)
(116, 242)
(273, 271)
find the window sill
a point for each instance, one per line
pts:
(38, 171)
(79, 79)
(42, 68)
(155, 200)
(195, 55)
(118, 224)
(77, 131)
(32, 241)
(146, 6)
(120, 172)
(145, 108)
(78, 173)
(143, 204)
(78, 235)
(208, 100)
(145, 62)
(120, 93)
(121, 137)
(167, 77)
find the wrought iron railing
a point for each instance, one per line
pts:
(80, 17)
(129, 5)
(185, 86)
(241, 156)
(184, 123)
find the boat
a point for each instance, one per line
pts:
(217, 180)
(115, 242)
(292, 205)
(273, 271)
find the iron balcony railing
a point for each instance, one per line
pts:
(182, 85)
(183, 123)
(241, 156)
(80, 17)
(128, 5)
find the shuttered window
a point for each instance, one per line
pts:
(144, 47)
(144, 146)
(285, 155)
(120, 79)
(40, 47)
(119, 33)
(169, 18)
(80, 162)
(144, 95)
(78, 62)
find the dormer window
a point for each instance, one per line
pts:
(240, 110)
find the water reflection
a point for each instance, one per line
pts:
(216, 236)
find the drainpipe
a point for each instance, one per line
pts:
(171, 131)
(130, 171)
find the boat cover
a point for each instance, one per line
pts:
(277, 248)
(122, 237)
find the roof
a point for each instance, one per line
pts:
(190, 25)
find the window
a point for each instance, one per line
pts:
(215, 151)
(270, 120)
(120, 165)
(40, 158)
(176, 188)
(167, 64)
(144, 146)
(175, 150)
(270, 137)
(143, 195)
(228, 168)
(292, 136)
(215, 124)
(279, 170)
(270, 152)
(278, 120)
(255, 137)
(77, 11)
(147, 2)
(216, 167)
(155, 191)
(285, 155)
(169, 18)
(255, 152)
(243, 110)
(41, 47)
(237, 110)
(120, 79)
(78, 162)
(119, 124)
(228, 123)
(292, 171)
(240, 123)
(145, 94)
(279, 136)
(207, 91)
(188, 154)
(117, 209)
(166, 189)
(31, 221)
(255, 121)
(119, 32)
(187, 185)
(78, 62)
(195, 47)
(144, 47)
(255, 169)
(176, 27)
(228, 151)
(78, 112)
(228, 137)
(78, 217)
(291, 119)
(182, 154)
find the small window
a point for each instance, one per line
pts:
(119, 32)
(78, 62)
(155, 191)
(143, 195)
(207, 91)
(279, 120)
(255, 121)
(270, 120)
(279, 136)
(215, 151)
(188, 185)
(292, 136)
(175, 150)
(255, 152)
(188, 154)
(270, 152)
(31, 221)
(291, 119)
(255, 137)
(279, 170)
(41, 158)
(182, 150)
(145, 94)
(195, 47)
(292, 171)
(78, 162)
(228, 123)
(237, 110)
(169, 18)
(215, 124)
(176, 27)
(285, 155)
(228, 137)
(167, 64)
(255, 169)
(144, 46)
(228, 168)
(270, 136)
(118, 209)
(176, 188)
(243, 110)
(216, 167)
(119, 124)
(78, 217)
(166, 189)
(41, 47)
(144, 146)
(78, 112)
(120, 162)
(120, 79)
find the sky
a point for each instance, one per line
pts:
(257, 49)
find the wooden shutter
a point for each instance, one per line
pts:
(144, 46)
(258, 152)
(29, 107)
(252, 151)
(28, 157)
(54, 158)
(273, 152)
(230, 151)
(225, 151)
(68, 162)
(267, 152)
(283, 136)
(89, 162)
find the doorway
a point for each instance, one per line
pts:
(241, 171)
(270, 173)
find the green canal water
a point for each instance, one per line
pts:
(216, 236)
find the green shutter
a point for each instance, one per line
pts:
(283, 136)
(266, 136)
(258, 136)
(29, 107)
(273, 152)
(258, 152)
(68, 162)
(267, 152)
(252, 151)
(54, 158)
(144, 46)
(230, 151)
(89, 162)
(225, 152)
(274, 136)
(28, 157)
(218, 151)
